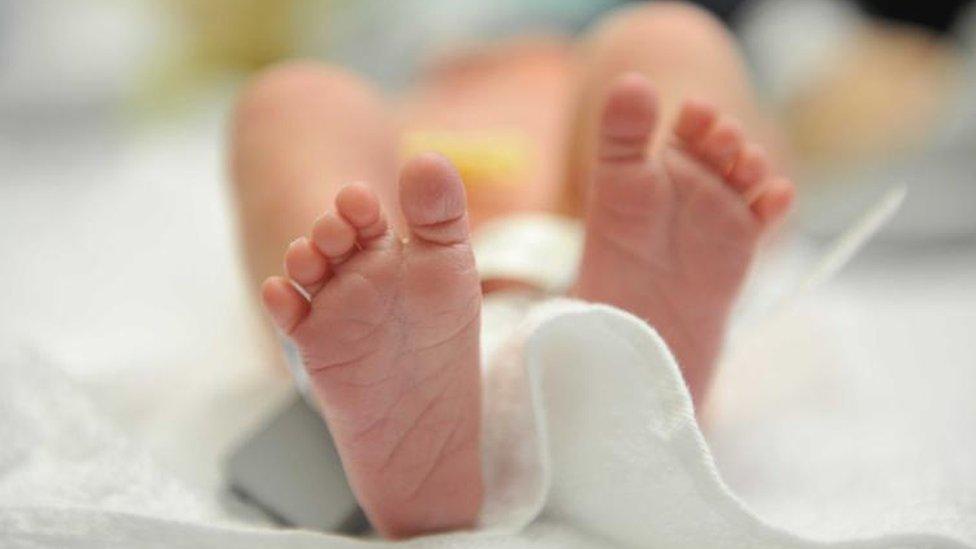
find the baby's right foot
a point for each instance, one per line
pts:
(391, 343)
(670, 238)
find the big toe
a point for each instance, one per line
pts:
(629, 116)
(433, 201)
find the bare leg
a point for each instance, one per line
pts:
(390, 336)
(300, 132)
(678, 192)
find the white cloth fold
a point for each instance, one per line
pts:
(620, 452)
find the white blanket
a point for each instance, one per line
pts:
(590, 440)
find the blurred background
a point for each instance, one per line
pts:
(118, 252)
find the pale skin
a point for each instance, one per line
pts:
(666, 164)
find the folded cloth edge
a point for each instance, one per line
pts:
(521, 370)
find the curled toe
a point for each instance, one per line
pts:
(333, 236)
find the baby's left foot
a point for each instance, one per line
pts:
(390, 340)
(670, 237)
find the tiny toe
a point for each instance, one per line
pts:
(775, 201)
(722, 146)
(629, 117)
(359, 205)
(750, 169)
(433, 201)
(305, 264)
(333, 236)
(284, 303)
(695, 121)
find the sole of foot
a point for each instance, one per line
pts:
(388, 329)
(670, 236)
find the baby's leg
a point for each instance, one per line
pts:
(678, 191)
(301, 131)
(390, 336)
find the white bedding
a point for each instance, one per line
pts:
(850, 417)
(590, 441)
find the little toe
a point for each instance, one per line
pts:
(286, 306)
(720, 148)
(433, 201)
(750, 169)
(775, 200)
(334, 237)
(695, 121)
(306, 265)
(360, 206)
(628, 120)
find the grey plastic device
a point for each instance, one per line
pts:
(289, 469)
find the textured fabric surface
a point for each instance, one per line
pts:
(590, 440)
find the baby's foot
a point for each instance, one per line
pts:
(670, 236)
(390, 341)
